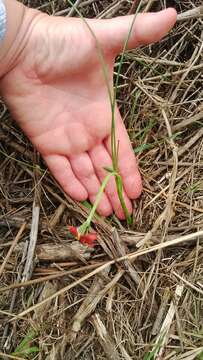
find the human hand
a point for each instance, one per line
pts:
(57, 93)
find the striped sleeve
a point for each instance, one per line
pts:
(2, 20)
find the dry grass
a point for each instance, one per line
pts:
(77, 304)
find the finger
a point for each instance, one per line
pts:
(127, 162)
(101, 159)
(83, 169)
(61, 169)
(147, 28)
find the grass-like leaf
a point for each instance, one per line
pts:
(114, 144)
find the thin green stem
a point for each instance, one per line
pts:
(100, 52)
(112, 98)
(114, 146)
(119, 186)
(85, 226)
(123, 53)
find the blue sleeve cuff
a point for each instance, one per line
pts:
(2, 20)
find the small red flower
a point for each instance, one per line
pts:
(87, 239)
(74, 231)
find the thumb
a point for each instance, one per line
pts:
(147, 28)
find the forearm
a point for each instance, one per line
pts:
(18, 22)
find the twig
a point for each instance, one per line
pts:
(173, 73)
(93, 297)
(148, 5)
(194, 59)
(189, 121)
(121, 251)
(191, 14)
(189, 355)
(72, 11)
(186, 282)
(27, 272)
(57, 215)
(48, 290)
(134, 7)
(199, 284)
(160, 314)
(190, 142)
(10, 356)
(124, 353)
(104, 338)
(61, 252)
(162, 339)
(132, 256)
(57, 275)
(81, 5)
(18, 236)
(5, 338)
(168, 210)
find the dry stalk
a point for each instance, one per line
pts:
(132, 256)
(29, 264)
(15, 241)
(199, 284)
(6, 340)
(134, 6)
(148, 5)
(188, 122)
(111, 10)
(121, 250)
(173, 174)
(186, 282)
(80, 5)
(124, 353)
(163, 191)
(105, 339)
(195, 13)
(58, 351)
(174, 73)
(157, 324)
(61, 252)
(57, 275)
(94, 296)
(189, 355)
(194, 59)
(6, 356)
(41, 312)
(167, 213)
(76, 4)
(150, 303)
(109, 301)
(191, 142)
(91, 300)
(57, 215)
(162, 339)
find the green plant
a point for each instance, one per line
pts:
(25, 349)
(150, 355)
(194, 188)
(200, 356)
(139, 149)
(156, 348)
(114, 171)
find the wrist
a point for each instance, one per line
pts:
(19, 19)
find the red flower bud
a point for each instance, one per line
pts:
(88, 239)
(74, 231)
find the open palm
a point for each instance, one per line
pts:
(58, 95)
